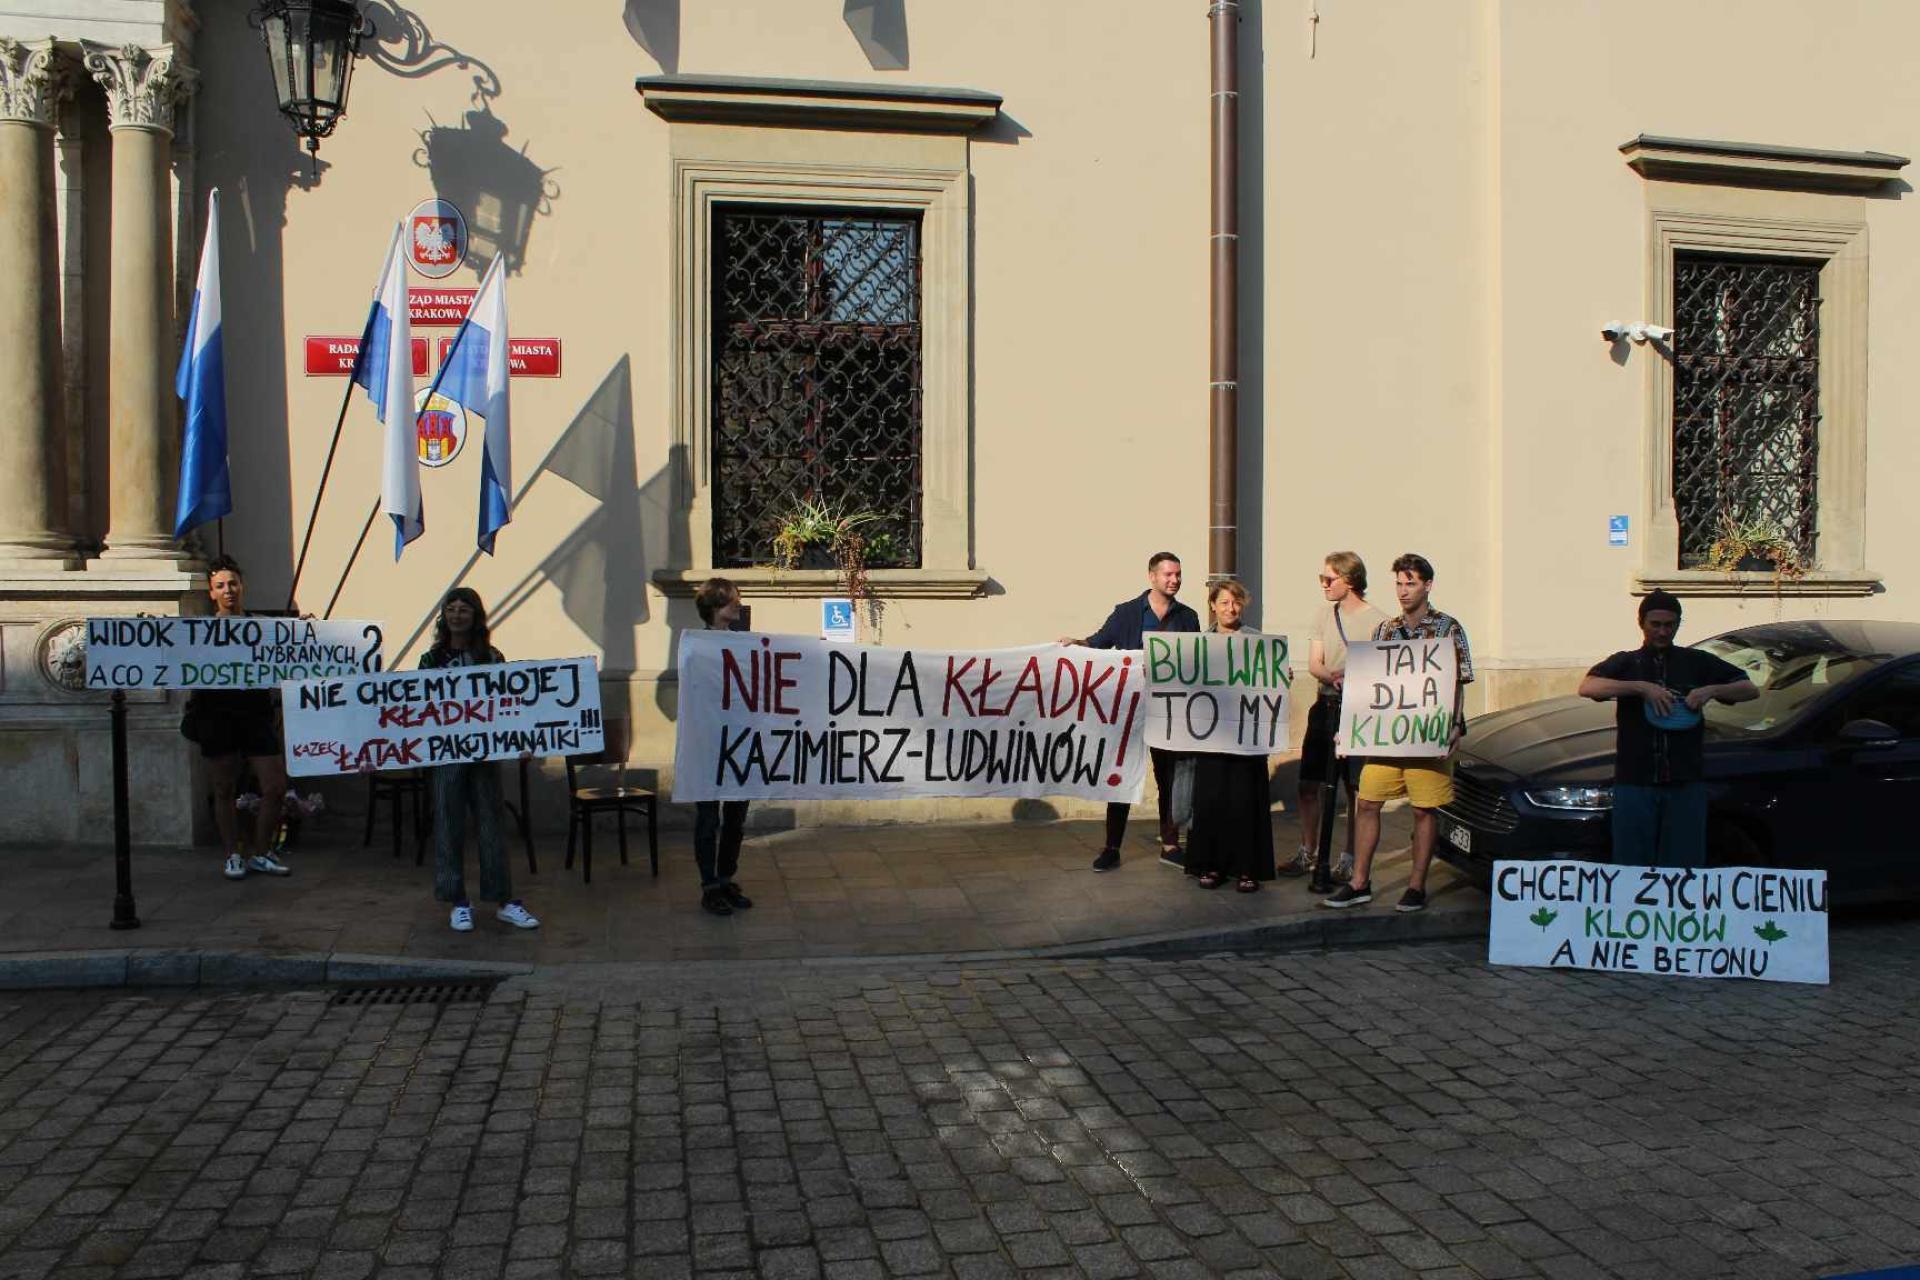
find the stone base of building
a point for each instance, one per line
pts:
(56, 758)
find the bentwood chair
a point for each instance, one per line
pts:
(585, 803)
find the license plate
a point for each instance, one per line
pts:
(1460, 838)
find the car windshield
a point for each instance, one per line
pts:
(1791, 669)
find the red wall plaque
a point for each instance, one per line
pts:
(528, 357)
(333, 357)
(444, 307)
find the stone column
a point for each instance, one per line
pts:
(142, 87)
(33, 484)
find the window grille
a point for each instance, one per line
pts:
(1746, 399)
(816, 376)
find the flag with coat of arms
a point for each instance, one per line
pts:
(475, 374)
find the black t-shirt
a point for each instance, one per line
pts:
(1646, 755)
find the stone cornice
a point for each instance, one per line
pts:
(819, 104)
(33, 78)
(142, 85)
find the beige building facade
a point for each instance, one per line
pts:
(1442, 205)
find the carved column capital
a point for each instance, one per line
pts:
(33, 79)
(142, 85)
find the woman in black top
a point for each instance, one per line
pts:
(236, 728)
(461, 639)
(1232, 833)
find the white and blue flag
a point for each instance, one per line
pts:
(384, 366)
(206, 487)
(474, 374)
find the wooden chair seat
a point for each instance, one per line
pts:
(591, 794)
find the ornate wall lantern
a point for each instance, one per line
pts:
(312, 45)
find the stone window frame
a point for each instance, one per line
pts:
(1729, 198)
(752, 142)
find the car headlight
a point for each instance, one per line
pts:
(1581, 798)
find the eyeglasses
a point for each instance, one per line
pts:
(1327, 579)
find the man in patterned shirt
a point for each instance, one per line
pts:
(1428, 782)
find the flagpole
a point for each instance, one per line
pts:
(300, 565)
(358, 543)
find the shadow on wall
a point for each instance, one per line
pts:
(878, 26)
(602, 568)
(255, 160)
(498, 189)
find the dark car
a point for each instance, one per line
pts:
(1821, 771)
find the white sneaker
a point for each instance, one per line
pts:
(268, 864)
(236, 868)
(462, 919)
(516, 914)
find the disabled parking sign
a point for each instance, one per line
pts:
(836, 621)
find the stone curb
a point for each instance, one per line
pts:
(179, 968)
(185, 968)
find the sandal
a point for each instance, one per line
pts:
(1211, 880)
(1247, 885)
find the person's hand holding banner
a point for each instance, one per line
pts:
(1399, 698)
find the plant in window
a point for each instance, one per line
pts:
(810, 526)
(1755, 544)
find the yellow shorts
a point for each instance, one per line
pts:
(1428, 783)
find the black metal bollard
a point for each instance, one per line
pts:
(124, 916)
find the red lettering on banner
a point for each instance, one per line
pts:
(953, 687)
(1029, 682)
(333, 357)
(1064, 674)
(987, 676)
(1088, 687)
(783, 682)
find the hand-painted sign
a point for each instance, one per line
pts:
(1398, 698)
(526, 357)
(448, 716)
(334, 357)
(444, 308)
(225, 653)
(791, 717)
(1719, 922)
(1218, 692)
(440, 428)
(436, 239)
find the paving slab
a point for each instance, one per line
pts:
(821, 895)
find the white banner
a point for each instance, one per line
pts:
(794, 718)
(446, 716)
(1397, 699)
(1722, 922)
(1218, 692)
(225, 653)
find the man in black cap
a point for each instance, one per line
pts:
(1659, 792)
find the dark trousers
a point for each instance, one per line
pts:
(1660, 826)
(459, 789)
(718, 828)
(1163, 762)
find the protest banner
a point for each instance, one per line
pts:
(225, 653)
(1398, 697)
(792, 717)
(1218, 692)
(1719, 922)
(547, 707)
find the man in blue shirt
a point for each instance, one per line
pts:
(1154, 609)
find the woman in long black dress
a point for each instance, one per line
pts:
(1232, 834)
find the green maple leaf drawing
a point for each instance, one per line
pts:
(1543, 918)
(1770, 932)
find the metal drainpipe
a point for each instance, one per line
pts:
(1223, 383)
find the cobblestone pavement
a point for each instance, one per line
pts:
(1370, 1114)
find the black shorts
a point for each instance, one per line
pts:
(238, 735)
(1318, 763)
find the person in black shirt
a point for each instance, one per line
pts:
(1659, 795)
(235, 729)
(1154, 609)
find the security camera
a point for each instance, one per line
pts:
(1638, 331)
